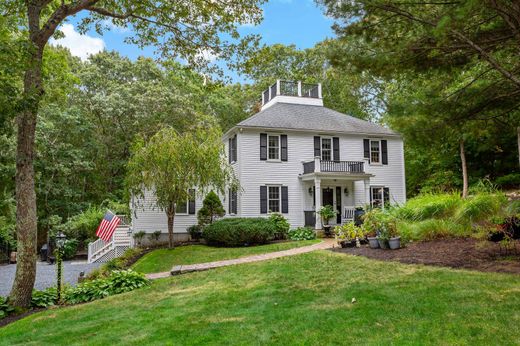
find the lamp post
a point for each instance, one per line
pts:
(60, 241)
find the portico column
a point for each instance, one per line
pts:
(317, 189)
(367, 192)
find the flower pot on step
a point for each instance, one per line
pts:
(373, 242)
(383, 243)
(394, 243)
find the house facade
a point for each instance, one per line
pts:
(295, 156)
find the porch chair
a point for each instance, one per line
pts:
(348, 214)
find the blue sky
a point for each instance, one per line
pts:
(298, 22)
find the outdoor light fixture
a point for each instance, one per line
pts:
(346, 191)
(60, 240)
(310, 190)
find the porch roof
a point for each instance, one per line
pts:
(336, 175)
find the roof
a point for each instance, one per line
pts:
(314, 118)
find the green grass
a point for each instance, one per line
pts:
(304, 300)
(164, 259)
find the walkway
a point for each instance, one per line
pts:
(45, 274)
(182, 269)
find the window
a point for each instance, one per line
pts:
(375, 152)
(326, 149)
(182, 208)
(273, 199)
(233, 199)
(379, 196)
(233, 149)
(273, 146)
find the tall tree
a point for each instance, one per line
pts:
(173, 164)
(177, 29)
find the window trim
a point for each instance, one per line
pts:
(381, 189)
(331, 147)
(187, 209)
(234, 149)
(380, 162)
(279, 159)
(279, 187)
(230, 192)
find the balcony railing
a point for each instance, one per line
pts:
(290, 88)
(333, 166)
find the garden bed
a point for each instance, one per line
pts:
(455, 253)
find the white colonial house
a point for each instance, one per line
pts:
(295, 156)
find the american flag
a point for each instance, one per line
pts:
(107, 226)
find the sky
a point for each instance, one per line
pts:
(298, 22)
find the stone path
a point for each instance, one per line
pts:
(45, 274)
(182, 269)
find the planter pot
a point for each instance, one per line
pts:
(373, 242)
(347, 243)
(326, 230)
(394, 243)
(383, 243)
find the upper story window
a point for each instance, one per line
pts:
(232, 154)
(273, 147)
(326, 149)
(375, 151)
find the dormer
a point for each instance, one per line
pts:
(292, 92)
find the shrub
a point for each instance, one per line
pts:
(45, 298)
(432, 229)
(195, 231)
(138, 237)
(480, 207)
(302, 233)
(83, 226)
(5, 308)
(509, 180)
(281, 224)
(240, 231)
(154, 236)
(211, 209)
(428, 206)
(70, 247)
(122, 262)
(119, 281)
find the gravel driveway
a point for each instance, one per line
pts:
(45, 274)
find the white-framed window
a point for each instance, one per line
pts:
(233, 202)
(181, 208)
(273, 147)
(273, 199)
(233, 150)
(375, 151)
(326, 148)
(379, 196)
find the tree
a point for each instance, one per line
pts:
(173, 163)
(211, 209)
(178, 29)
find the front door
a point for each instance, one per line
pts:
(327, 197)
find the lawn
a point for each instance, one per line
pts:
(304, 299)
(164, 259)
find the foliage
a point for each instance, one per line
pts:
(70, 247)
(239, 231)
(428, 206)
(161, 260)
(172, 163)
(327, 212)
(211, 209)
(195, 231)
(44, 298)
(511, 180)
(83, 226)
(119, 281)
(302, 233)
(5, 308)
(119, 263)
(348, 232)
(154, 236)
(281, 224)
(138, 237)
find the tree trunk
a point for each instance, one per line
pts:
(464, 170)
(26, 219)
(518, 140)
(171, 217)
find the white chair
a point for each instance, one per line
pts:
(348, 214)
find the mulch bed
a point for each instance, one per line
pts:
(454, 253)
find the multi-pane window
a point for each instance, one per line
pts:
(380, 196)
(273, 147)
(273, 199)
(182, 207)
(374, 152)
(326, 149)
(233, 149)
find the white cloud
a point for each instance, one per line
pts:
(79, 45)
(207, 54)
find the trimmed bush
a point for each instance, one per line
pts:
(302, 233)
(240, 231)
(281, 224)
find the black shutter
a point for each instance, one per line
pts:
(263, 199)
(335, 148)
(314, 195)
(230, 152)
(338, 205)
(366, 149)
(384, 151)
(263, 146)
(191, 203)
(285, 200)
(317, 146)
(235, 149)
(283, 145)
(234, 206)
(386, 196)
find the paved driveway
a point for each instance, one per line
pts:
(45, 274)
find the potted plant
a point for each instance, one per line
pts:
(383, 236)
(394, 240)
(327, 212)
(370, 226)
(348, 235)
